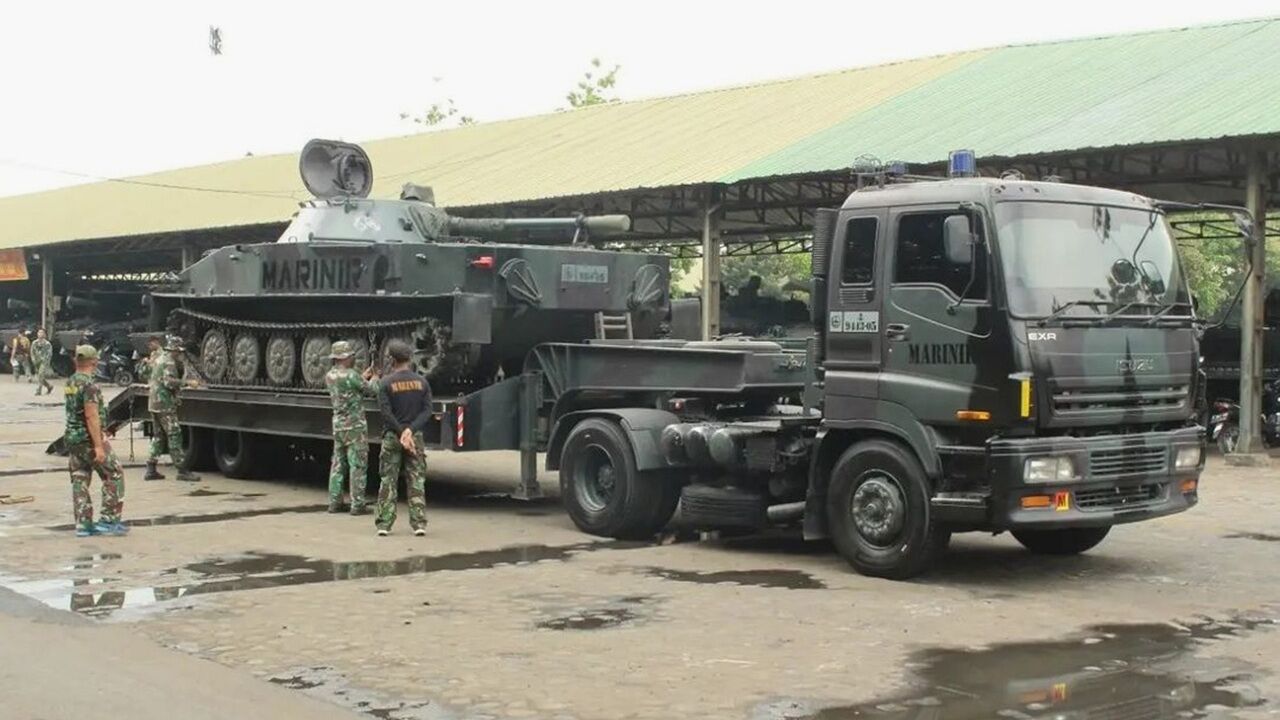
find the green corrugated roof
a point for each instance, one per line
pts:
(1190, 84)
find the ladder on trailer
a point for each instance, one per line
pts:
(614, 327)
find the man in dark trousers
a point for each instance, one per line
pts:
(405, 399)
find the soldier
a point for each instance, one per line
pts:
(405, 399)
(154, 349)
(42, 353)
(347, 389)
(20, 356)
(165, 382)
(88, 451)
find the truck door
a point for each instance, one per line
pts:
(853, 349)
(937, 320)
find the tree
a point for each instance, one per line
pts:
(595, 87)
(779, 274)
(439, 113)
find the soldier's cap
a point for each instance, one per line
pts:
(86, 352)
(341, 350)
(172, 342)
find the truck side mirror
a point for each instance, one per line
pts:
(957, 238)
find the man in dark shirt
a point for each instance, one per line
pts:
(405, 399)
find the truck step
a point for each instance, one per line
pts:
(960, 507)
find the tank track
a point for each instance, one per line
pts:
(233, 353)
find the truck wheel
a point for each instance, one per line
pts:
(1068, 541)
(878, 512)
(198, 444)
(235, 453)
(603, 491)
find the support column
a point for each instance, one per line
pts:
(1251, 451)
(712, 213)
(48, 301)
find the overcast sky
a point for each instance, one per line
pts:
(122, 88)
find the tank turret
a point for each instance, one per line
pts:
(472, 295)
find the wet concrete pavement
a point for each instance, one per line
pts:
(505, 610)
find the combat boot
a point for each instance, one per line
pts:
(152, 472)
(188, 476)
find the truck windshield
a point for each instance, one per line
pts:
(1083, 260)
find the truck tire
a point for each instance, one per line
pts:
(236, 453)
(878, 511)
(705, 507)
(198, 444)
(603, 491)
(1068, 541)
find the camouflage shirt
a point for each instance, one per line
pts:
(164, 382)
(347, 390)
(41, 351)
(145, 365)
(81, 389)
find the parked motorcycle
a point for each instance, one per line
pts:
(1224, 422)
(115, 364)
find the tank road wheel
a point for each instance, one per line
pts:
(315, 359)
(282, 360)
(603, 491)
(1067, 541)
(213, 356)
(361, 348)
(878, 511)
(246, 358)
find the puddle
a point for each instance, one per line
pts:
(262, 570)
(212, 517)
(612, 614)
(789, 579)
(326, 683)
(1261, 537)
(590, 620)
(1136, 671)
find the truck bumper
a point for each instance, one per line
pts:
(1118, 479)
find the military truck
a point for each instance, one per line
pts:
(987, 355)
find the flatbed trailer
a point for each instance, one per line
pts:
(236, 428)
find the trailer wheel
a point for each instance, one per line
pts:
(236, 453)
(603, 491)
(198, 444)
(878, 511)
(1067, 541)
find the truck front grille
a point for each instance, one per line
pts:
(1119, 497)
(1068, 401)
(1120, 462)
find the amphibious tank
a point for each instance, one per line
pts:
(471, 295)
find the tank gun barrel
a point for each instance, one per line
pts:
(591, 225)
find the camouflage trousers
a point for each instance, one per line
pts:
(350, 460)
(390, 460)
(81, 463)
(166, 434)
(44, 371)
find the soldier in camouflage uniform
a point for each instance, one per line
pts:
(163, 399)
(88, 451)
(404, 397)
(154, 349)
(348, 389)
(42, 354)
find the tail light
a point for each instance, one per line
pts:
(484, 262)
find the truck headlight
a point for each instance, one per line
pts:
(1054, 468)
(1187, 458)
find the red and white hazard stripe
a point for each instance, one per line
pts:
(461, 425)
